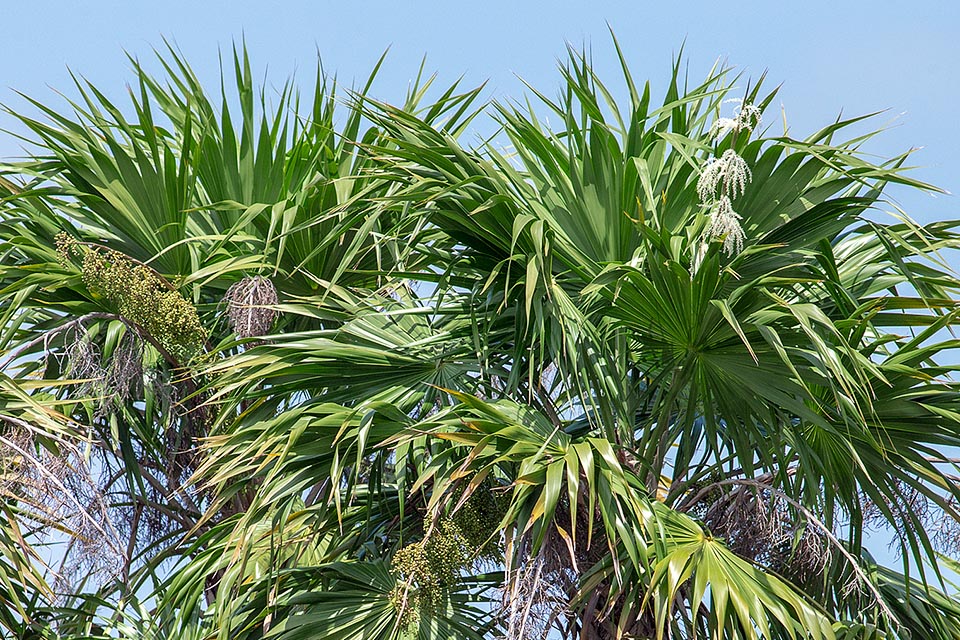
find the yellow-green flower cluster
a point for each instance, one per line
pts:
(479, 520)
(427, 569)
(139, 295)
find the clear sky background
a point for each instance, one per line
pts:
(848, 56)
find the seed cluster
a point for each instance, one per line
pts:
(139, 295)
(479, 519)
(428, 568)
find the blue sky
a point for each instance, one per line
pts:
(846, 55)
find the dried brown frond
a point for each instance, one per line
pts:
(53, 485)
(115, 379)
(538, 588)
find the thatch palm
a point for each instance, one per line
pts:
(348, 383)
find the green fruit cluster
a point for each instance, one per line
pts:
(139, 295)
(426, 569)
(479, 521)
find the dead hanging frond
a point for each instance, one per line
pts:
(53, 486)
(117, 378)
(538, 587)
(915, 510)
(250, 305)
(542, 592)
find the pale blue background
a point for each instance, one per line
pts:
(849, 56)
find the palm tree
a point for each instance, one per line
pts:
(653, 372)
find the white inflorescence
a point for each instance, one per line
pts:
(722, 126)
(725, 223)
(722, 180)
(746, 118)
(729, 172)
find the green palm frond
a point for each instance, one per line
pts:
(627, 368)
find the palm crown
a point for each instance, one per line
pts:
(327, 372)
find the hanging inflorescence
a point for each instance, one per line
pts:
(57, 483)
(428, 569)
(139, 296)
(114, 379)
(723, 180)
(250, 306)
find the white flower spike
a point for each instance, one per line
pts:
(722, 180)
(721, 127)
(747, 117)
(729, 172)
(725, 223)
